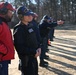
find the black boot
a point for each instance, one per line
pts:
(46, 57)
(43, 64)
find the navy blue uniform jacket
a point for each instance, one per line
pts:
(25, 40)
(45, 27)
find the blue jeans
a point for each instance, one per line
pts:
(4, 68)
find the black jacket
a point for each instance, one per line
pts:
(25, 39)
(44, 28)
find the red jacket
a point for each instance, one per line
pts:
(6, 42)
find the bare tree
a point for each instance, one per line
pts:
(58, 9)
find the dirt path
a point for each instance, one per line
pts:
(62, 54)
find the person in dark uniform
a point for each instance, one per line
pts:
(26, 43)
(44, 28)
(36, 27)
(51, 32)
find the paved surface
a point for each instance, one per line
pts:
(62, 55)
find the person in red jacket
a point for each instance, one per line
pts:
(6, 42)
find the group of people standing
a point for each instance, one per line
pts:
(30, 39)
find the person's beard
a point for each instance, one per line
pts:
(8, 19)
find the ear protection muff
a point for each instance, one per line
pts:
(20, 16)
(20, 13)
(4, 10)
